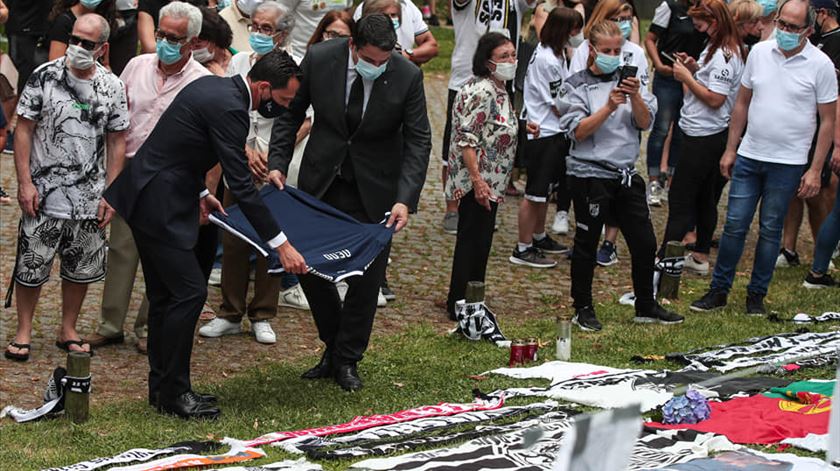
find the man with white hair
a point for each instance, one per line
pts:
(152, 81)
(787, 83)
(71, 110)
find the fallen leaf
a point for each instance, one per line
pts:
(477, 377)
(399, 385)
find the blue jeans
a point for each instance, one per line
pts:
(774, 185)
(827, 239)
(669, 99)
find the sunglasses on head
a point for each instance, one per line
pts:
(85, 43)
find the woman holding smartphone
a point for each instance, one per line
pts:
(711, 85)
(606, 114)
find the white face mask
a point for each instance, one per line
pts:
(247, 7)
(576, 40)
(505, 71)
(79, 57)
(202, 55)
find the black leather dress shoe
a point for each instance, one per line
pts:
(203, 398)
(189, 406)
(324, 368)
(348, 378)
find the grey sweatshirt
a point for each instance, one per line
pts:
(616, 143)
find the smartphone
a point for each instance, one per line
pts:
(628, 71)
(669, 57)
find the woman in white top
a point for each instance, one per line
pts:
(621, 12)
(545, 155)
(711, 86)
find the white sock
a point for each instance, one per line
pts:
(539, 236)
(522, 247)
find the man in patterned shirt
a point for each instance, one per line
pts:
(71, 110)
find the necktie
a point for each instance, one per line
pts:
(355, 104)
(354, 117)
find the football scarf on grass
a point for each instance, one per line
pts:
(237, 454)
(436, 440)
(141, 454)
(670, 380)
(369, 421)
(763, 350)
(509, 451)
(53, 401)
(658, 448)
(286, 465)
(803, 318)
(334, 245)
(385, 433)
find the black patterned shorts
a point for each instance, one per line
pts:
(80, 244)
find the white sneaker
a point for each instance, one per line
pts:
(693, 266)
(561, 223)
(262, 331)
(381, 301)
(654, 194)
(219, 327)
(215, 277)
(294, 298)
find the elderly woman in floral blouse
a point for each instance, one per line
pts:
(481, 157)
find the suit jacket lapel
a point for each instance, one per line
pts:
(339, 69)
(380, 88)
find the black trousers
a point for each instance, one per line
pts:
(27, 52)
(595, 201)
(177, 289)
(345, 329)
(695, 191)
(472, 247)
(124, 42)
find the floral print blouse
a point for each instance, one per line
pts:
(483, 118)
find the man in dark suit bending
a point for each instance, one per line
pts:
(164, 193)
(367, 155)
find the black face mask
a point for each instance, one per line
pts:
(270, 109)
(752, 40)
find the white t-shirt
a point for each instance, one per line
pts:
(785, 92)
(543, 84)
(506, 15)
(721, 75)
(411, 24)
(631, 53)
(73, 116)
(308, 13)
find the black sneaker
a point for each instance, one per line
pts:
(586, 320)
(387, 293)
(755, 304)
(549, 245)
(658, 314)
(787, 259)
(818, 282)
(710, 301)
(531, 257)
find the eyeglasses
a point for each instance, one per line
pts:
(267, 30)
(85, 43)
(170, 37)
(328, 34)
(619, 19)
(790, 28)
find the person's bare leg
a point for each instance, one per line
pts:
(531, 220)
(689, 238)
(611, 233)
(793, 220)
(26, 299)
(819, 206)
(72, 297)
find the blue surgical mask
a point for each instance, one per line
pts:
(606, 63)
(768, 6)
(787, 41)
(222, 4)
(626, 27)
(396, 23)
(90, 4)
(167, 52)
(260, 43)
(369, 71)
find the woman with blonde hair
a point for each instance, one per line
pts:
(711, 86)
(747, 15)
(611, 109)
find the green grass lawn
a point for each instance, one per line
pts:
(417, 367)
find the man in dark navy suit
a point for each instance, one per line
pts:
(163, 196)
(367, 155)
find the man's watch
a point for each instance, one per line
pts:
(409, 51)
